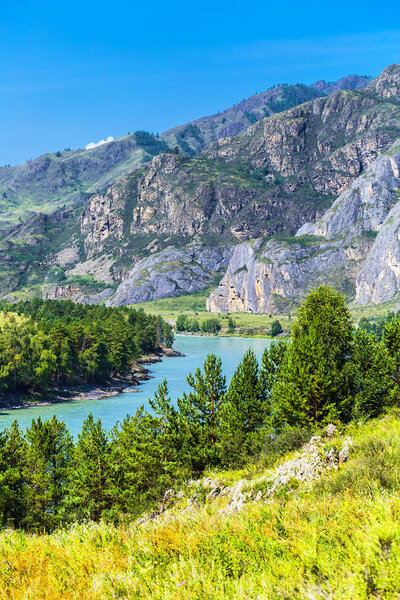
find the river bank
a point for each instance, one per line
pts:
(89, 391)
(112, 409)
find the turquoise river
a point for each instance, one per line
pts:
(111, 410)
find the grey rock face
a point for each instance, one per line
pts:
(354, 243)
(171, 273)
(379, 279)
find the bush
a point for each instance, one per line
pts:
(276, 328)
(211, 326)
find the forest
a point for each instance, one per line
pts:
(45, 343)
(327, 372)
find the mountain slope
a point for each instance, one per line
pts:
(69, 177)
(337, 537)
(176, 221)
(353, 247)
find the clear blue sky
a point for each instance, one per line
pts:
(75, 72)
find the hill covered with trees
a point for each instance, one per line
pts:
(45, 343)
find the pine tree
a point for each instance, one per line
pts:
(47, 472)
(168, 436)
(140, 461)
(311, 387)
(12, 476)
(272, 360)
(200, 412)
(89, 489)
(244, 411)
(371, 373)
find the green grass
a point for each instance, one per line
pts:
(373, 311)
(194, 306)
(338, 538)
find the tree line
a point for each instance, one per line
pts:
(328, 372)
(44, 343)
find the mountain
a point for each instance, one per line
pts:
(68, 178)
(178, 223)
(353, 247)
(351, 82)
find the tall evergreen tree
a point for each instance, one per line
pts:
(200, 412)
(271, 362)
(311, 387)
(244, 411)
(89, 488)
(371, 375)
(168, 434)
(48, 464)
(12, 476)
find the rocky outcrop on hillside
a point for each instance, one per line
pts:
(311, 463)
(323, 145)
(282, 173)
(353, 247)
(69, 177)
(170, 273)
(197, 135)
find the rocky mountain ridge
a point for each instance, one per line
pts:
(71, 177)
(236, 211)
(353, 247)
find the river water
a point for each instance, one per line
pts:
(111, 410)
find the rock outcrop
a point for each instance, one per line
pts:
(309, 464)
(354, 247)
(170, 273)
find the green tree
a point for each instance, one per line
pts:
(12, 476)
(181, 323)
(137, 477)
(244, 411)
(48, 462)
(211, 326)
(276, 328)
(200, 411)
(271, 362)
(311, 387)
(89, 489)
(194, 325)
(370, 371)
(391, 341)
(168, 437)
(231, 325)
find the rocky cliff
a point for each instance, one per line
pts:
(354, 247)
(70, 177)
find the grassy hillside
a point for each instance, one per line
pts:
(194, 306)
(336, 538)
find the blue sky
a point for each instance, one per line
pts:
(75, 72)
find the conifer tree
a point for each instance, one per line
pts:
(141, 464)
(12, 476)
(47, 472)
(311, 387)
(244, 411)
(200, 412)
(271, 362)
(372, 376)
(89, 489)
(168, 436)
